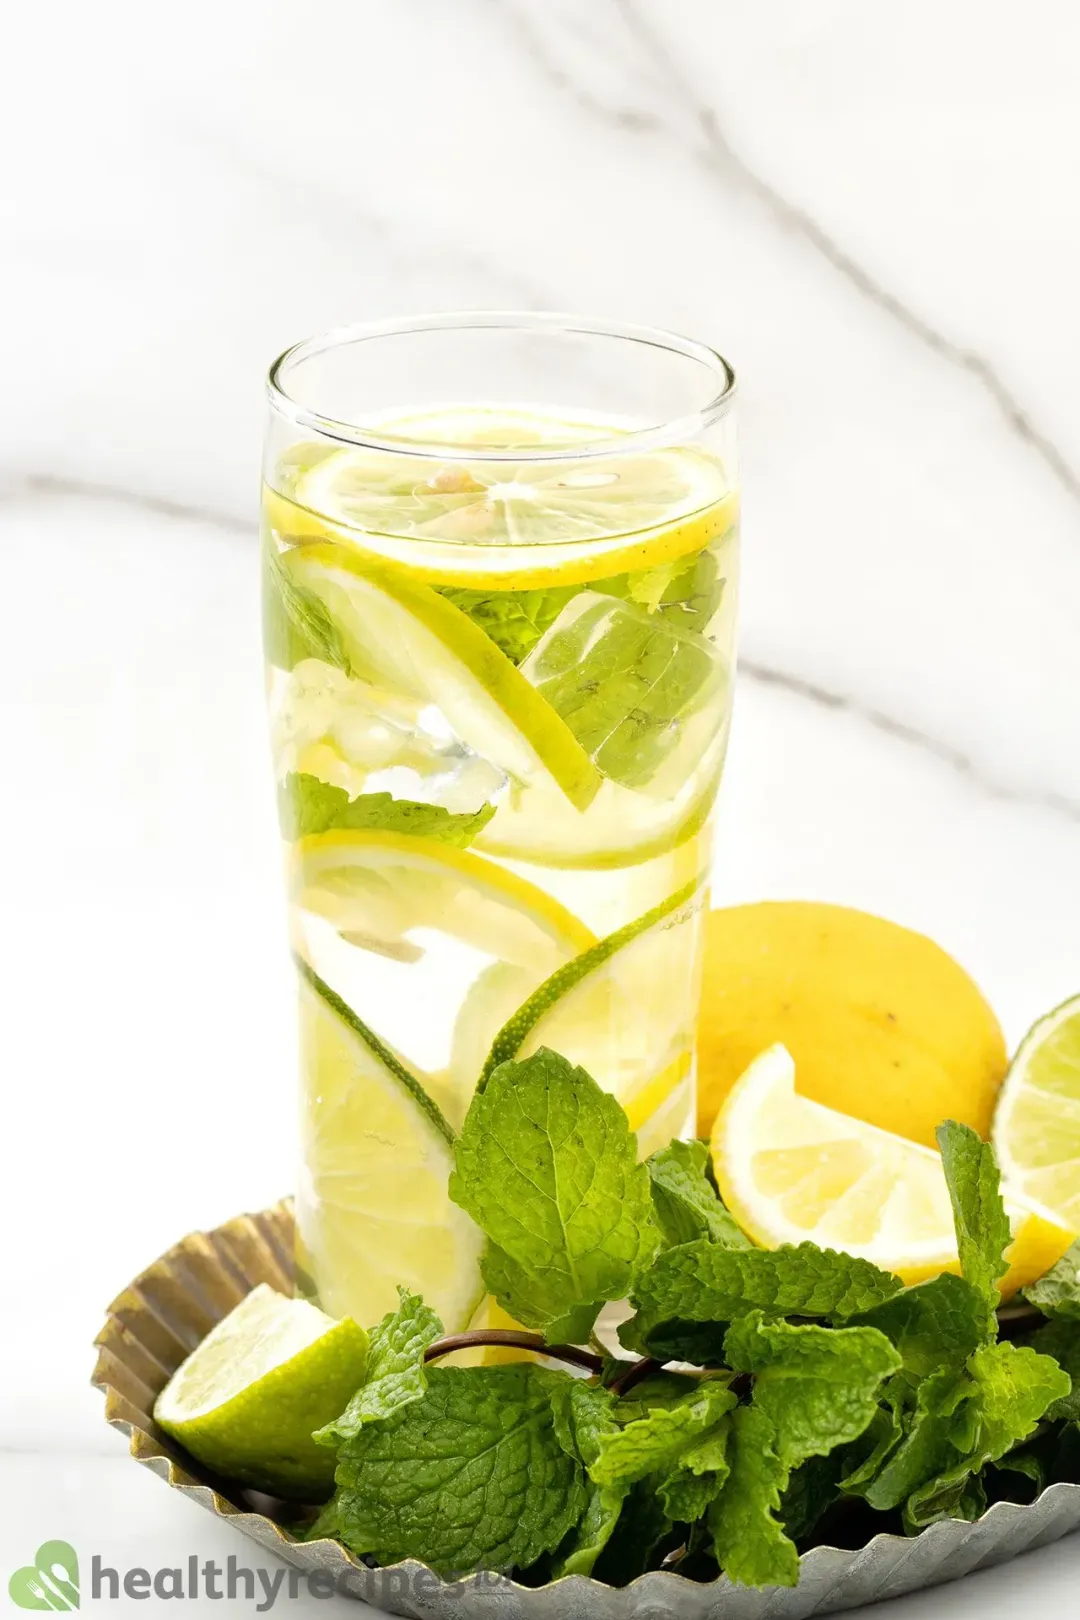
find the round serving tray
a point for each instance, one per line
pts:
(161, 1316)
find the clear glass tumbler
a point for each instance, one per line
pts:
(500, 570)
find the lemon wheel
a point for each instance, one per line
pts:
(378, 888)
(560, 517)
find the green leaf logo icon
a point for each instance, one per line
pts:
(51, 1582)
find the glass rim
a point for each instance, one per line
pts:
(674, 430)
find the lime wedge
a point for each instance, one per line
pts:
(1036, 1129)
(373, 1209)
(410, 640)
(245, 1402)
(624, 1010)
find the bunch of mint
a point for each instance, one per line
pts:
(813, 1388)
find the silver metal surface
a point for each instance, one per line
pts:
(165, 1312)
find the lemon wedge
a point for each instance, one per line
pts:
(792, 1170)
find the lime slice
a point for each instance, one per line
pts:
(246, 1400)
(595, 515)
(1037, 1123)
(624, 1010)
(373, 1209)
(378, 889)
(408, 638)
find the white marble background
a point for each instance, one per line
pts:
(872, 209)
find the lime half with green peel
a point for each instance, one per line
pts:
(373, 1210)
(408, 639)
(1036, 1130)
(624, 1010)
(246, 1401)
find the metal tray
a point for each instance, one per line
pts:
(161, 1316)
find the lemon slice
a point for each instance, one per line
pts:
(792, 1170)
(580, 517)
(1037, 1123)
(411, 640)
(624, 1011)
(378, 888)
(373, 1209)
(247, 1399)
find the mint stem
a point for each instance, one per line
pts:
(634, 1374)
(515, 1340)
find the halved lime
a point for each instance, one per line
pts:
(246, 1401)
(408, 638)
(625, 1010)
(1036, 1128)
(379, 888)
(373, 1211)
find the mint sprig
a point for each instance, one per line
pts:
(546, 1165)
(828, 1382)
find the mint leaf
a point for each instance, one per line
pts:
(965, 1418)
(309, 805)
(863, 1460)
(933, 1324)
(624, 680)
(659, 1389)
(1058, 1293)
(514, 620)
(296, 624)
(703, 1282)
(683, 1444)
(1060, 1339)
(811, 1492)
(642, 1536)
(470, 1477)
(686, 592)
(395, 1375)
(814, 1389)
(686, 1202)
(547, 1167)
(982, 1227)
(818, 1387)
(750, 1544)
(584, 1417)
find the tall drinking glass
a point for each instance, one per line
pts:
(499, 568)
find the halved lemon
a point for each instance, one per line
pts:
(580, 517)
(792, 1170)
(1037, 1123)
(372, 1209)
(410, 640)
(624, 1011)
